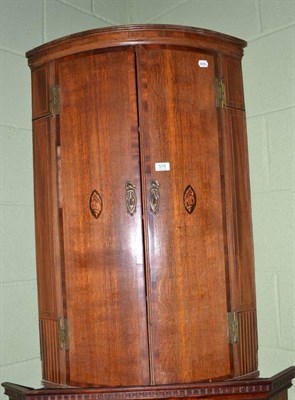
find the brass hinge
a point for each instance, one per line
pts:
(220, 93)
(233, 327)
(63, 334)
(54, 99)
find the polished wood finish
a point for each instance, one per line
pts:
(238, 216)
(103, 257)
(40, 95)
(133, 35)
(274, 388)
(43, 217)
(185, 250)
(232, 75)
(143, 266)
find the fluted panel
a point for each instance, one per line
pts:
(248, 341)
(49, 350)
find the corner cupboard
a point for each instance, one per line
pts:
(142, 208)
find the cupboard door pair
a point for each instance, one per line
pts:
(142, 217)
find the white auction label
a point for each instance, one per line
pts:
(162, 166)
(203, 63)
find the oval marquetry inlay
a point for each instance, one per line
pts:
(189, 199)
(95, 204)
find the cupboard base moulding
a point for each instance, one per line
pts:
(274, 388)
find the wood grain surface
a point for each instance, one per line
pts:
(104, 265)
(187, 287)
(143, 264)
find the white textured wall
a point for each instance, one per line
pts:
(269, 68)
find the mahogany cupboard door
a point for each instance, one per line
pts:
(104, 281)
(182, 168)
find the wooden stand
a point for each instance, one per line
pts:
(275, 388)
